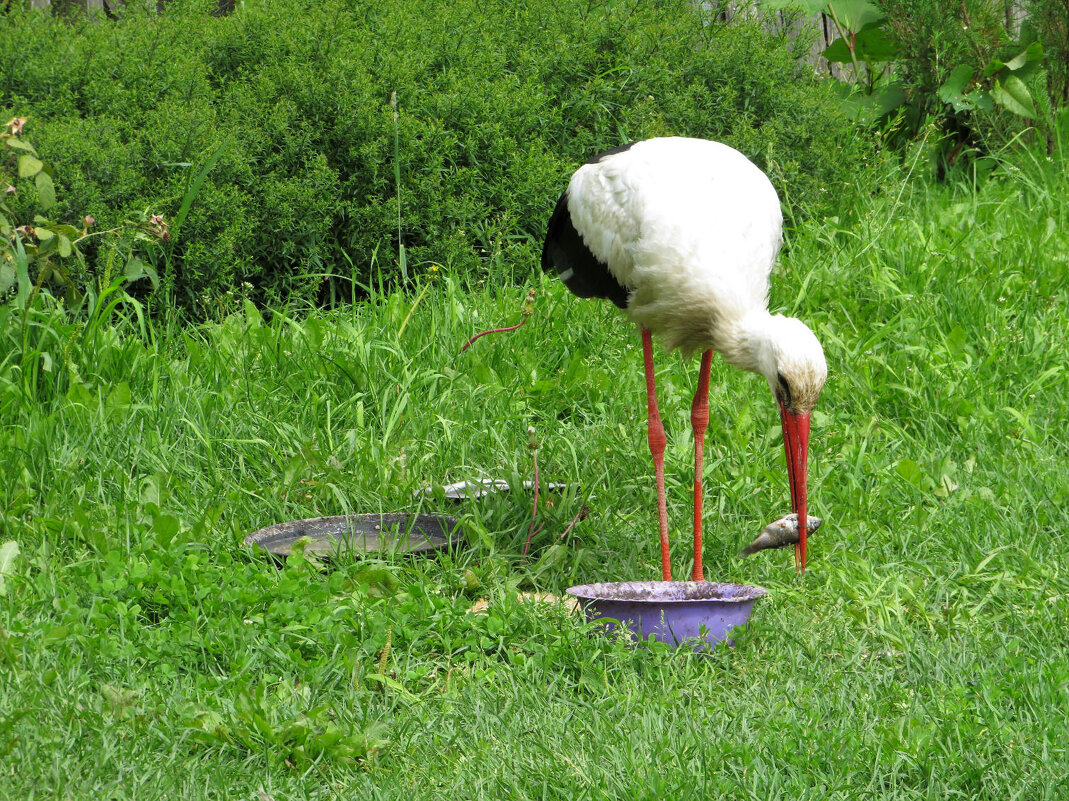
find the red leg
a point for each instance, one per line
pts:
(699, 418)
(657, 441)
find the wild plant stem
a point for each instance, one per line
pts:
(534, 512)
(401, 259)
(572, 524)
(404, 323)
(492, 331)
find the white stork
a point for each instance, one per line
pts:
(682, 234)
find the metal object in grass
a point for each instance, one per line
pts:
(363, 534)
(478, 488)
(695, 613)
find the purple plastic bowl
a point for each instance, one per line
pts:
(701, 613)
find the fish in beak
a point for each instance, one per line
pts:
(780, 534)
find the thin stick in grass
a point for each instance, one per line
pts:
(532, 443)
(580, 515)
(527, 311)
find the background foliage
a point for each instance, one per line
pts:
(495, 106)
(1049, 19)
(980, 75)
(950, 64)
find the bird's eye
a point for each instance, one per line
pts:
(784, 388)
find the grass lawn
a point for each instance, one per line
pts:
(145, 653)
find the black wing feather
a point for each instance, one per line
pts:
(581, 271)
(564, 250)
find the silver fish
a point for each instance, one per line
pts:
(780, 534)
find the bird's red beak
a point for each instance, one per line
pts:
(796, 444)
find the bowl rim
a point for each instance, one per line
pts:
(604, 591)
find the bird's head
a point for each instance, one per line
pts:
(791, 359)
(793, 363)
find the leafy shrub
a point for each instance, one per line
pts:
(1048, 22)
(973, 67)
(37, 250)
(320, 181)
(973, 72)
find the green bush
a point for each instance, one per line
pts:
(985, 77)
(496, 104)
(1048, 22)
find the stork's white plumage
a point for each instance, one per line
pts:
(682, 234)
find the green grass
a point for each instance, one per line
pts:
(146, 653)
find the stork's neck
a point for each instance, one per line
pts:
(749, 343)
